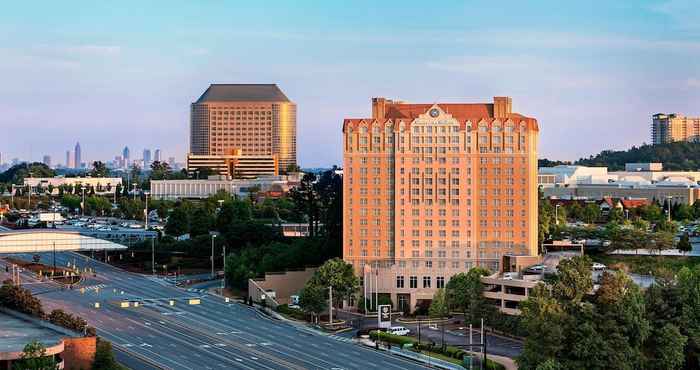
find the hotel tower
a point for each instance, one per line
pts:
(432, 190)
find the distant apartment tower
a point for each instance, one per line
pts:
(69, 159)
(46, 160)
(431, 190)
(667, 128)
(78, 159)
(157, 156)
(257, 119)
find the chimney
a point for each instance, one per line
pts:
(378, 108)
(502, 106)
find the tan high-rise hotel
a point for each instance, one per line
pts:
(243, 122)
(432, 190)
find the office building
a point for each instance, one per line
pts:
(146, 158)
(233, 165)
(102, 185)
(431, 190)
(69, 159)
(272, 186)
(157, 156)
(77, 163)
(667, 128)
(258, 120)
(126, 156)
(46, 160)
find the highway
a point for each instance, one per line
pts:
(211, 335)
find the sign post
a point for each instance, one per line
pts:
(384, 315)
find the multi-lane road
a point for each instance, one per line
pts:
(213, 334)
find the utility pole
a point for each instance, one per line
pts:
(145, 212)
(82, 204)
(330, 305)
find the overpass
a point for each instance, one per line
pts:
(49, 240)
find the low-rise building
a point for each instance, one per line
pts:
(102, 185)
(273, 186)
(639, 181)
(69, 350)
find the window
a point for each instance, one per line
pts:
(426, 281)
(413, 282)
(399, 281)
(440, 282)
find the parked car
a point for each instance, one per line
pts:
(597, 266)
(536, 268)
(510, 275)
(398, 330)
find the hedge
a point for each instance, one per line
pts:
(450, 351)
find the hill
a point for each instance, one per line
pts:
(678, 156)
(17, 173)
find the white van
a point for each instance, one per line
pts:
(398, 330)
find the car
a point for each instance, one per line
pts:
(536, 268)
(398, 330)
(597, 266)
(510, 275)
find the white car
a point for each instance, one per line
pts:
(398, 330)
(597, 266)
(510, 275)
(536, 268)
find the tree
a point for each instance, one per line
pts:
(20, 299)
(574, 279)
(201, 222)
(104, 357)
(666, 348)
(337, 274)
(546, 323)
(178, 222)
(616, 215)
(34, 358)
(312, 299)
(135, 173)
(591, 212)
(160, 170)
(464, 292)
(306, 200)
(99, 169)
(684, 244)
(438, 306)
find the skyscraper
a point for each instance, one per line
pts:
(125, 156)
(258, 120)
(146, 158)
(46, 160)
(156, 156)
(69, 159)
(78, 160)
(431, 190)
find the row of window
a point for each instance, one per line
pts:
(413, 282)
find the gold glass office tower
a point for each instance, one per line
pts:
(257, 119)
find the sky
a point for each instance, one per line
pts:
(110, 74)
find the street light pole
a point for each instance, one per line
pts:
(82, 205)
(145, 215)
(223, 281)
(212, 254)
(556, 214)
(153, 256)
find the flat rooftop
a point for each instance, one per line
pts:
(15, 333)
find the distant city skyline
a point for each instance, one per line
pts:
(590, 70)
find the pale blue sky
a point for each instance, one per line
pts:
(591, 72)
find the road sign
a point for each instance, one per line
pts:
(384, 316)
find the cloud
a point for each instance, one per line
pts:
(78, 50)
(693, 82)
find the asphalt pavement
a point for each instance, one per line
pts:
(164, 331)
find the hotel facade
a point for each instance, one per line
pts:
(432, 190)
(243, 120)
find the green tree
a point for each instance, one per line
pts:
(464, 292)
(684, 244)
(201, 222)
(160, 170)
(546, 322)
(104, 356)
(34, 358)
(438, 305)
(307, 201)
(616, 215)
(312, 299)
(178, 222)
(591, 213)
(665, 349)
(574, 279)
(337, 274)
(99, 169)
